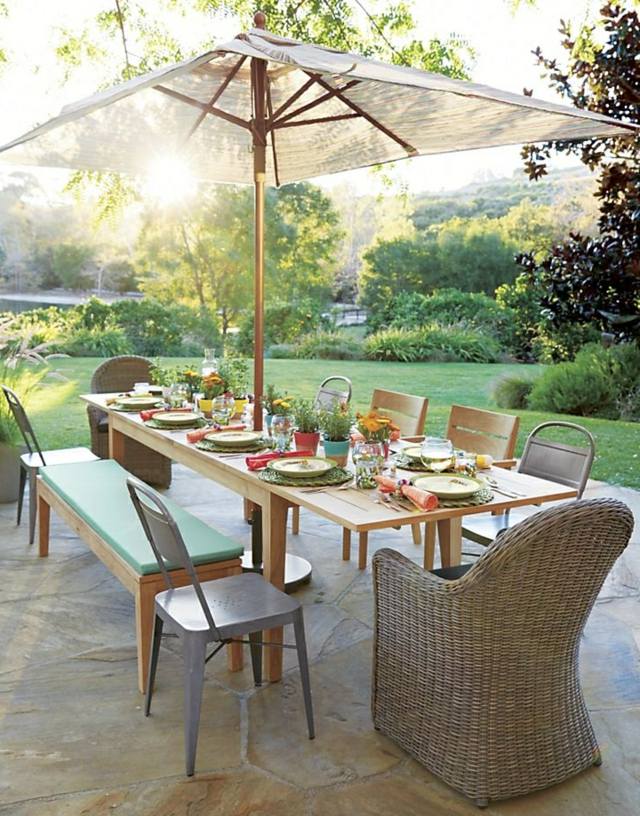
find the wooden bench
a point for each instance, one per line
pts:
(93, 499)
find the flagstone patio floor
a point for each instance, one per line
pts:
(74, 740)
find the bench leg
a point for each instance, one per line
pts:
(235, 656)
(44, 515)
(346, 544)
(145, 616)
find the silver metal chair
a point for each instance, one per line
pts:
(35, 458)
(212, 612)
(556, 461)
(327, 396)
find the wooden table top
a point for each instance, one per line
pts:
(352, 508)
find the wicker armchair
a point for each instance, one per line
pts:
(120, 374)
(477, 677)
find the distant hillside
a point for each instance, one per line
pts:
(495, 198)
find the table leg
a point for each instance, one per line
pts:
(450, 540)
(274, 545)
(429, 545)
(116, 443)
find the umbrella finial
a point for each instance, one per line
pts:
(260, 19)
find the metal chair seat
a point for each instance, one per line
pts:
(239, 603)
(64, 456)
(483, 529)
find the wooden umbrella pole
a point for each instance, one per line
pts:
(259, 129)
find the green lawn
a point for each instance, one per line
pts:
(60, 419)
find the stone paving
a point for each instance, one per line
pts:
(74, 742)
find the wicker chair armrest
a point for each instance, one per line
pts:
(392, 566)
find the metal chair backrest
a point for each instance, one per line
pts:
(166, 540)
(566, 464)
(120, 374)
(486, 432)
(22, 421)
(327, 397)
(407, 411)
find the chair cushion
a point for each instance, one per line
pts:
(452, 573)
(61, 456)
(97, 491)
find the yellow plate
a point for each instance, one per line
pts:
(176, 418)
(302, 468)
(234, 439)
(449, 487)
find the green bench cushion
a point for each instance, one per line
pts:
(98, 492)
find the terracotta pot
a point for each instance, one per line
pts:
(307, 441)
(337, 450)
(9, 472)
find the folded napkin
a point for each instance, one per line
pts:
(145, 415)
(421, 498)
(261, 460)
(196, 436)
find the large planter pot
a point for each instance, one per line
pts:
(307, 441)
(9, 472)
(338, 451)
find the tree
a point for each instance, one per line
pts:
(204, 255)
(597, 279)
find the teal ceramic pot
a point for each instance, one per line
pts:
(338, 451)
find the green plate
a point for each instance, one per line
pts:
(234, 439)
(449, 486)
(199, 422)
(308, 467)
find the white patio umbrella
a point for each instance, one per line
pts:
(263, 109)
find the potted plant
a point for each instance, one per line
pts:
(275, 403)
(235, 371)
(375, 427)
(335, 423)
(307, 433)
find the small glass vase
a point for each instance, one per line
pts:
(368, 458)
(282, 426)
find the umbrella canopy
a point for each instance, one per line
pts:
(264, 109)
(325, 111)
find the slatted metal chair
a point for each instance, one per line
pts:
(211, 612)
(556, 461)
(327, 395)
(478, 677)
(119, 374)
(35, 458)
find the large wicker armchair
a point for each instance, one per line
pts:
(477, 677)
(115, 375)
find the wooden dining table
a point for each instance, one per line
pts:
(351, 508)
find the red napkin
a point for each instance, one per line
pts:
(145, 415)
(261, 460)
(421, 498)
(196, 436)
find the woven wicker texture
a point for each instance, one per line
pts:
(115, 375)
(477, 678)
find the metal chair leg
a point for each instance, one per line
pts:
(193, 651)
(153, 662)
(301, 646)
(33, 503)
(23, 483)
(256, 656)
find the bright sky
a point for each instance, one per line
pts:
(32, 87)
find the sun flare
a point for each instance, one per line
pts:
(169, 181)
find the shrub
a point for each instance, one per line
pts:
(107, 342)
(433, 343)
(283, 323)
(282, 351)
(329, 346)
(512, 392)
(599, 382)
(447, 307)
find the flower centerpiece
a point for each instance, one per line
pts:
(335, 424)
(213, 385)
(307, 433)
(192, 379)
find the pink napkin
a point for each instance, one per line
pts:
(196, 436)
(261, 460)
(421, 498)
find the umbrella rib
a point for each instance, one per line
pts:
(331, 92)
(223, 87)
(273, 134)
(371, 119)
(203, 106)
(318, 120)
(288, 102)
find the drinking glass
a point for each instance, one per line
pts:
(178, 395)
(368, 458)
(141, 388)
(282, 427)
(437, 453)
(222, 409)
